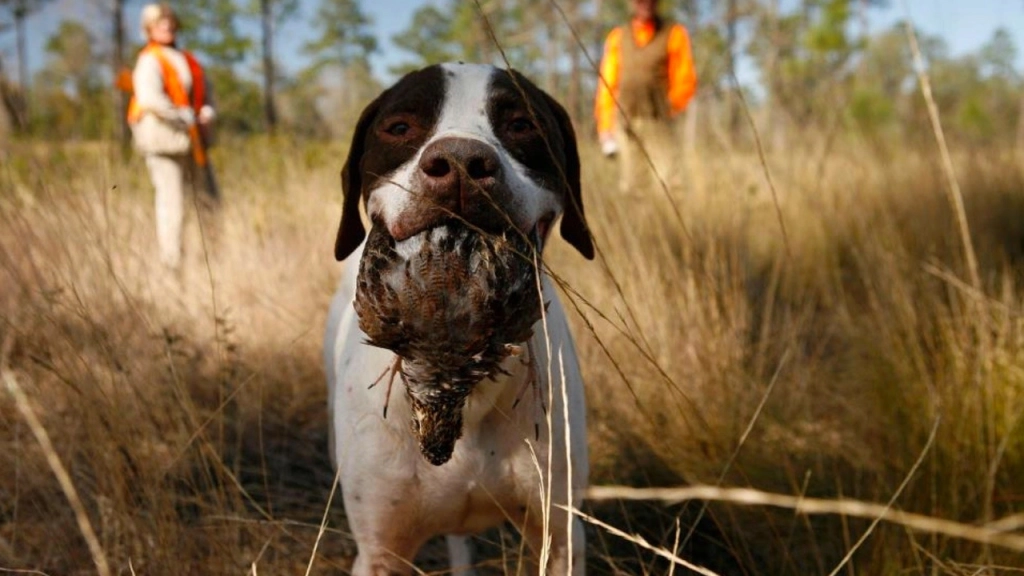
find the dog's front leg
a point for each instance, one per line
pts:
(382, 494)
(373, 561)
(460, 555)
(387, 543)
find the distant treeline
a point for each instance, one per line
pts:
(814, 65)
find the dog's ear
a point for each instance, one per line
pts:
(351, 231)
(574, 225)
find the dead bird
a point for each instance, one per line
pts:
(452, 303)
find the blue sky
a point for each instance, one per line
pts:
(964, 25)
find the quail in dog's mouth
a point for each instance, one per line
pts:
(452, 302)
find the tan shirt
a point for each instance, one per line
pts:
(148, 83)
(161, 129)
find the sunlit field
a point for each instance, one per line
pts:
(811, 325)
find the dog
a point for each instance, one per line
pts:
(479, 143)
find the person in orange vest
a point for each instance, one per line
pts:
(169, 111)
(647, 79)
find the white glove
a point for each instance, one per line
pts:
(609, 147)
(186, 116)
(206, 114)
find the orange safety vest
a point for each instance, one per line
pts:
(177, 93)
(682, 75)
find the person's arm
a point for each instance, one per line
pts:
(682, 76)
(150, 93)
(607, 85)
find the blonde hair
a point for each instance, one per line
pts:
(153, 13)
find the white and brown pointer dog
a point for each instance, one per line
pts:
(471, 141)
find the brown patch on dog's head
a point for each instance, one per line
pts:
(550, 153)
(415, 101)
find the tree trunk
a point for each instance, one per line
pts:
(269, 107)
(120, 97)
(732, 111)
(551, 53)
(23, 77)
(6, 110)
(10, 104)
(1020, 132)
(772, 126)
(575, 77)
(865, 31)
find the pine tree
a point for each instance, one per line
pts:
(427, 39)
(341, 35)
(210, 28)
(272, 15)
(342, 43)
(70, 88)
(19, 10)
(488, 31)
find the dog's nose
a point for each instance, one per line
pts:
(457, 170)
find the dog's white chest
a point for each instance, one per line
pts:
(491, 470)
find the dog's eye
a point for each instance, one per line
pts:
(521, 125)
(398, 128)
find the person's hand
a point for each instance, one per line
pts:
(609, 147)
(186, 116)
(206, 114)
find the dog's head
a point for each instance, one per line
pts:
(469, 142)
(463, 170)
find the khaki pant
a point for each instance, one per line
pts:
(171, 176)
(651, 155)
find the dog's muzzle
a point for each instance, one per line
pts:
(456, 178)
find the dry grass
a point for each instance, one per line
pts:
(855, 340)
(190, 412)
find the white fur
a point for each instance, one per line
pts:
(394, 499)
